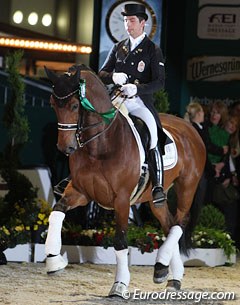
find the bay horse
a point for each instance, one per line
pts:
(104, 163)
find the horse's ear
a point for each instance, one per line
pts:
(76, 76)
(51, 75)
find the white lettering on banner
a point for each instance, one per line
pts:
(220, 21)
(213, 68)
(208, 100)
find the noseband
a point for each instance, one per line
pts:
(107, 117)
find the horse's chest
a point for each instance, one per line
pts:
(91, 180)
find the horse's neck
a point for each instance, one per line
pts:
(98, 96)
(96, 92)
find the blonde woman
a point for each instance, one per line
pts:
(194, 114)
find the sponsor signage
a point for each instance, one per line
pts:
(213, 68)
(219, 19)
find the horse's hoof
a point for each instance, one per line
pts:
(3, 259)
(55, 264)
(173, 285)
(160, 273)
(119, 289)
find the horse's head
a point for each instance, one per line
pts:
(65, 101)
(79, 121)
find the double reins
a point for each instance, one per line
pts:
(108, 117)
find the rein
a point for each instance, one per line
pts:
(108, 117)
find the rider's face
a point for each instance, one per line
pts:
(133, 26)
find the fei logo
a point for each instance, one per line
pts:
(219, 21)
(223, 18)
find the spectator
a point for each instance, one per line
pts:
(234, 109)
(221, 186)
(195, 115)
(218, 136)
(232, 127)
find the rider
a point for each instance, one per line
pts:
(136, 64)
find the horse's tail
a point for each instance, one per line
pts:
(185, 242)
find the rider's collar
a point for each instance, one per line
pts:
(135, 42)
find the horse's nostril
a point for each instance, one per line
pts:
(66, 150)
(70, 150)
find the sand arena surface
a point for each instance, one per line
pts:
(88, 284)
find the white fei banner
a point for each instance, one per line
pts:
(219, 19)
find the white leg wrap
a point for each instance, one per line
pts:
(165, 252)
(53, 242)
(122, 272)
(176, 265)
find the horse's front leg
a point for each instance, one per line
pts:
(122, 276)
(71, 198)
(54, 261)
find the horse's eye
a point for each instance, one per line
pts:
(74, 107)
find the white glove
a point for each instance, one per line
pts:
(129, 90)
(119, 78)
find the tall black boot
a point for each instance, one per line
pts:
(156, 174)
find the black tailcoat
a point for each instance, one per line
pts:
(144, 67)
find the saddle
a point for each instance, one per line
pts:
(145, 137)
(143, 133)
(142, 136)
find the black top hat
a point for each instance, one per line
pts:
(135, 10)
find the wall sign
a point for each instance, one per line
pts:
(213, 68)
(219, 19)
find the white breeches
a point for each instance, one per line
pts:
(136, 107)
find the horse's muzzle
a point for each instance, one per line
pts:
(67, 150)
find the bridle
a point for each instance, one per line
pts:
(108, 117)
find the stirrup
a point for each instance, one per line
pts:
(159, 197)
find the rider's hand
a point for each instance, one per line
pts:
(119, 78)
(129, 90)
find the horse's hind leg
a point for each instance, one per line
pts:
(185, 193)
(71, 198)
(166, 251)
(177, 270)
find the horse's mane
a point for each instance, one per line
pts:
(82, 67)
(67, 80)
